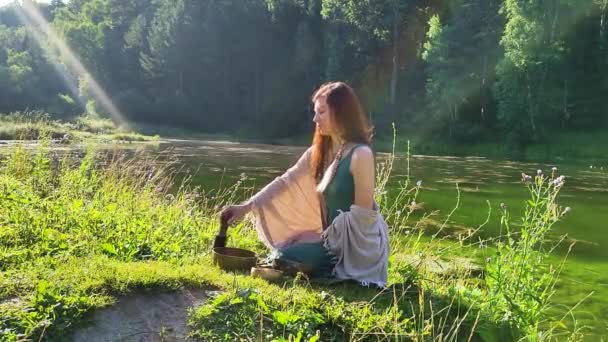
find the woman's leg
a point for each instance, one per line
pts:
(312, 255)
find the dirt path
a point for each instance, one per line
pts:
(157, 316)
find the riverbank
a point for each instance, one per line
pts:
(585, 146)
(37, 125)
(78, 236)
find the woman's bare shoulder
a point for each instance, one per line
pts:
(362, 160)
(363, 152)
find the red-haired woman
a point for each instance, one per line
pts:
(321, 212)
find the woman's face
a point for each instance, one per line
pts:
(324, 118)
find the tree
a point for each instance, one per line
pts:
(461, 57)
(532, 46)
(380, 20)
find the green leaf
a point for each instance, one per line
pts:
(314, 338)
(262, 304)
(109, 248)
(298, 337)
(237, 300)
(284, 318)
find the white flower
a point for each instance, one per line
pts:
(559, 181)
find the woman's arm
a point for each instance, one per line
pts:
(363, 170)
(279, 184)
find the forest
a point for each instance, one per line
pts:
(513, 72)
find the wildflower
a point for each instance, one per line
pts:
(503, 206)
(419, 183)
(526, 178)
(539, 172)
(554, 169)
(149, 175)
(559, 181)
(566, 210)
(398, 212)
(488, 260)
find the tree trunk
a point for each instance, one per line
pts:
(395, 57)
(256, 92)
(454, 118)
(566, 112)
(334, 57)
(452, 115)
(544, 70)
(482, 89)
(181, 84)
(531, 107)
(602, 22)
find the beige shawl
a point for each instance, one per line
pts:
(288, 210)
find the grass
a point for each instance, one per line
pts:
(77, 233)
(36, 125)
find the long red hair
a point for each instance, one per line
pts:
(348, 116)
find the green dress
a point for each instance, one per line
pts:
(340, 192)
(339, 195)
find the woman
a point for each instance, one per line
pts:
(321, 212)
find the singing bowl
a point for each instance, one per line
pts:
(234, 259)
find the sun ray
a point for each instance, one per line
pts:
(31, 17)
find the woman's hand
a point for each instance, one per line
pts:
(233, 213)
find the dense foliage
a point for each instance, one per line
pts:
(464, 71)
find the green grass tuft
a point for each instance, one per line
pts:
(38, 126)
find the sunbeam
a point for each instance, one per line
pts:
(31, 17)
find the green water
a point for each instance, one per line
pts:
(480, 180)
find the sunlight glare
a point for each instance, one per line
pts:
(31, 17)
